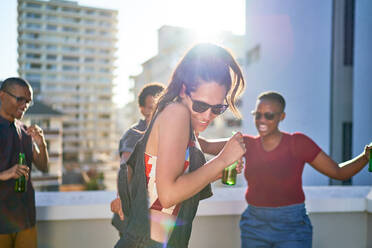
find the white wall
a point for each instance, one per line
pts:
(294, 59)
(341, 217)
(362, 92)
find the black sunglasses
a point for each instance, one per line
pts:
(20, 99)
(201, 107)
(268, 115)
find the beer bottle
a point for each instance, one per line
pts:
(229, 174)
(20, 182)
(370, 161)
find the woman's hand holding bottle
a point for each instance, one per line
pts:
(233, 150)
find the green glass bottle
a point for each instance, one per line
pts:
(370, 161)
(20, 182)
(229, 174)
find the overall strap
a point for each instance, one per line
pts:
(149, 128)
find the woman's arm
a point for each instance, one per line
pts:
(324, 164)
(172, 184)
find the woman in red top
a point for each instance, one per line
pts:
(276, 215)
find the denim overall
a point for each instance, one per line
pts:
(134, 199)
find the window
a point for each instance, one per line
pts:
(70, 58)
(89, 41)
(33, 25)
(105, 89)
(70, 78)
(33, 36)
(32, 46)
(33, 56)
(106, 14)
(51, 76)
(70, 49)
(51, 7)
(89, 68)
(33, 16)
(90, 50)
(51, 57)
(51, 47)
(89, 22)
(104, 116)
(33, 66)
(90, 12)
(349, 21)
(104, 51)
(33, 76)
(33, 5)
(89, 60)
(68, 19)
(51, 67)
(51, 87)
(104, 61)
(103, 33)
(70, 29)
(90, 31)
(70, 68)
(104, 24)
(51, 17)
(51, 27)
(70, 10)
(103, 80)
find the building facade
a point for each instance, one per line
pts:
(317, 55)
(67, 53)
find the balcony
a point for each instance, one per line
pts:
(341, 217)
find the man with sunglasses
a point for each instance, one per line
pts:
(17, 210)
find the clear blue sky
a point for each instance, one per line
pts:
(138, 24)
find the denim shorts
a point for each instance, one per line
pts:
(287, 226)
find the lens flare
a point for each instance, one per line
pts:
(168, 225)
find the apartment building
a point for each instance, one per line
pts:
(67, 53)
(173, 42)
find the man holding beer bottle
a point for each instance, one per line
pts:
(20, 146)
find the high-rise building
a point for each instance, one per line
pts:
(67, 53)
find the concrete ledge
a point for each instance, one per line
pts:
(226, 201)
(369, 202)
(74, 205)
(325, 199)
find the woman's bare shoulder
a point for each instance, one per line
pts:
(174, 112)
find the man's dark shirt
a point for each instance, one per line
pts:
(17, 210)
(130, 137)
